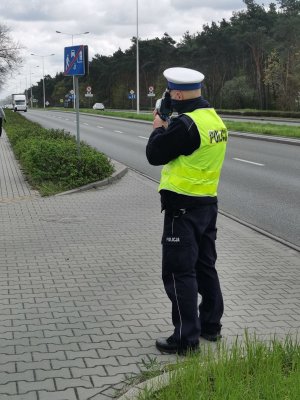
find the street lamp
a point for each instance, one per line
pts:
(42, 57)
(72, 36)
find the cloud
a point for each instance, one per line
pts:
(55, 10)
(215, 4)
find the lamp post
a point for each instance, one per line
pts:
(30, 74)
(42, 57)
(72, 36)
(137, 60)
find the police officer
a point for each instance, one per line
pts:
(192, 149)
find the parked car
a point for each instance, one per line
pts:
(98, 106)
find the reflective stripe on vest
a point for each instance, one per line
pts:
(198, 174)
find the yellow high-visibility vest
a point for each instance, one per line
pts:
(198, 174)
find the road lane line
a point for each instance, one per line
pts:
(85, 124)
(118, 131)
(143, 137)
(100, 127)
(249, 162)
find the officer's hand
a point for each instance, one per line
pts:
(158, 122)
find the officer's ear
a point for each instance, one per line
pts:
(179, 95)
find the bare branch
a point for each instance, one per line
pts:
(9, 53)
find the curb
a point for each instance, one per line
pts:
(120, 171)
(261, 231)
(155, 384)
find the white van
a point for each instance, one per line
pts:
(19, 102)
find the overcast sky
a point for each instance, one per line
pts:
(111, 23)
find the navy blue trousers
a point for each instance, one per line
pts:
(188, 269)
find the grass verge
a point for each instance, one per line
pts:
(49, 158)
(264, 129)
(248, 370)
(249, 127)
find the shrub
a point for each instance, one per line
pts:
(49, 157)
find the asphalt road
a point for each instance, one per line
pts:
(260, 182)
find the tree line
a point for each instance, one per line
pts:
(251, 60)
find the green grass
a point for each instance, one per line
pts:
(264, 129)
(249, 127)
(248, 370)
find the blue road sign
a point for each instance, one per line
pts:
(131, 96)
(74, 61)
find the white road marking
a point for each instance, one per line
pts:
(249, 162)
(85, 124)
(100, 127)
(118, 131)
(143, 137)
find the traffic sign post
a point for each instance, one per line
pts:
(77, 114)
(151, 94)
(76, 64)
(131, 97)
(89, 94)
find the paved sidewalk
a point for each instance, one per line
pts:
(81, 297)
(12, 183)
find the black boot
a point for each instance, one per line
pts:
(211, 337)
(170, 346)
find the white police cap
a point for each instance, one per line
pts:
(183, 78)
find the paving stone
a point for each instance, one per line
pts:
(68, 394)
(6, 358)
(50, 341)
(99, 346)
(47, 384)
(52, 373)
(27, 396)
(126, 369)
(108, 380)
(17, 376)
(9, 388)
(83, 381)
(29, 349)
(78, 362)
(8, 367)
(90, 394)
(71, 355)
(34, 365)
